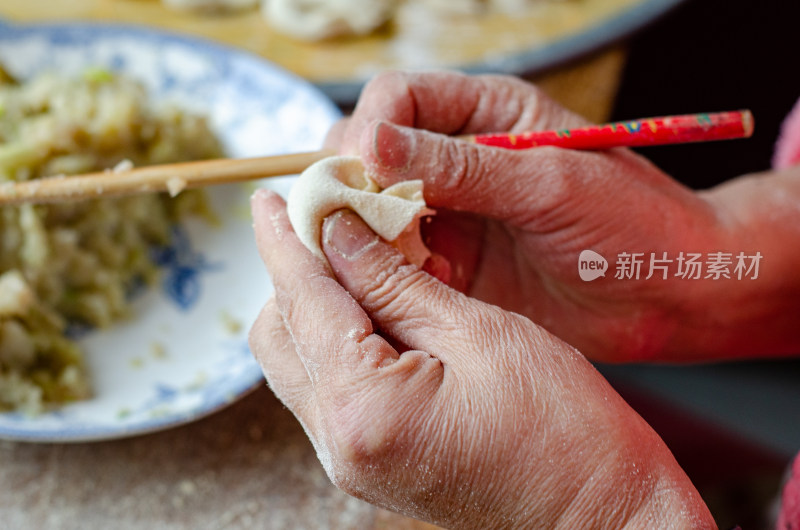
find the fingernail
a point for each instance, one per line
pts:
(260, 194)
(393, 146)
(348, 235)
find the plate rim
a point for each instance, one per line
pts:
(115, 28)
(250, 379)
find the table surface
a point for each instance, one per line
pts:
(251, 466)
(248, 466)
(412, 40)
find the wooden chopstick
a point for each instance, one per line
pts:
(173, 178)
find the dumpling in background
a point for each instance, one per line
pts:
(315, 20)
(323, 19)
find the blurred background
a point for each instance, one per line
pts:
(734, 427)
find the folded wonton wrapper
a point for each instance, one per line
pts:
(341, 182)
(324, 19)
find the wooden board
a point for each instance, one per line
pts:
(415, 38)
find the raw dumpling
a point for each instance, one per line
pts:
(341, 182)
(323, 19)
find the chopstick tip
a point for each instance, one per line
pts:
(748, 123)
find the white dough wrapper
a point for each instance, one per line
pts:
(322, 19)
(341, 182)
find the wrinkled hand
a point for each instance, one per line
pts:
(513, 223)
(427, 402)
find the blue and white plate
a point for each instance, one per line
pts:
(184, 354)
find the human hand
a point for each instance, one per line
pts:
(513, 223)
(424, 401)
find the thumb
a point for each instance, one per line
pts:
(402, 300)
(508, 185)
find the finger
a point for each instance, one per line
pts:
(512, 186)
(357, 377)
(273, 348)
(332, 333)
(403, 301)
(453, 103)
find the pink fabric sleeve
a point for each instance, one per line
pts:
(787, 153)
(789, 517)
(787, 150)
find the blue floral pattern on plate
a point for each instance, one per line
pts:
(182, 267)
(185, 353)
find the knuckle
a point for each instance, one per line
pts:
(359, 440)
(301, 305)
(367, 433)
(382, 87)
(534, 103)
(256, 333)
(388, 292)
(532, 107)
(266, 329)
(384, 80)
(458, 168)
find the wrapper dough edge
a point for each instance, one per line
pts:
(340, 182)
